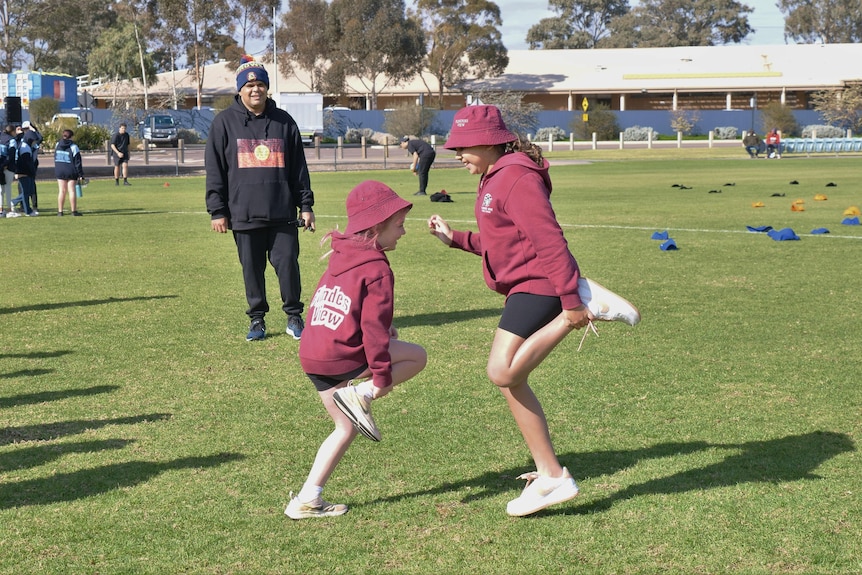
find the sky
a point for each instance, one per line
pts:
(520, 15)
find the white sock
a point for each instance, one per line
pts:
(309, 492)
(366, 389)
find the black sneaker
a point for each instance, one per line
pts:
(295, 325)
(257, 331)
(126, 183)
(76, 214)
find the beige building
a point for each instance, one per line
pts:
(697, 77)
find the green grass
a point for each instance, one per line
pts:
(141, 433)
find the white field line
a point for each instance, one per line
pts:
(608, 227)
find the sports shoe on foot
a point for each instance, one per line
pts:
(126, 183)
(295, 325)
(13, 214)
(605, 305)
(59, 213)
(257, 330)
(316, 508)
(420, 194)
(542, 492)
(358, 410)
(77, 213)
(32, 214)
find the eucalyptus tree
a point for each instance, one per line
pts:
(579, 24)
(822, 21)
(463, 39)
(203, 28)
(304, 42)
(374, 42)
(659, 23)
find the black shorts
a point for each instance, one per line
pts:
(123, 160)
(525, 313)
(327, 382)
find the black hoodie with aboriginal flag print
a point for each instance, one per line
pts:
(256, 173)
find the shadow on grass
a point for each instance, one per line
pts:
(790, 458)
(46, 396)
(99, 480)
(25, 373)
(36, 354)
(48, 431)
(81, 303)
(40, 454)
(443, 318)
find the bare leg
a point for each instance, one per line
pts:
(61, 196)
(408, 359)
(333, 447)
(511, 361)
(73, 198)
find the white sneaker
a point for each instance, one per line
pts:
(605, 305)
(358, 410)
(542, 492)
(13, 215)
(317, 508)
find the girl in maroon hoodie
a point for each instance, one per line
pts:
(526, 258)
(349, 335)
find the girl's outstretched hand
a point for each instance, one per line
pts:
(438, 227)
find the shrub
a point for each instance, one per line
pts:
(189, 136)
(556, 133)
(89, 137)
(822, 131)
(355, 135)
(725, 132)
(776, 115)
(601, 120)
(639, 134)
(408, 120)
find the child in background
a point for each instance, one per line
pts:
(526, 258)
(349, 335)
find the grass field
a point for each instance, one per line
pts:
(141, 434)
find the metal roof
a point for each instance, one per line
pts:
(686, 68)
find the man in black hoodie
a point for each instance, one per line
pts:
(256, 180)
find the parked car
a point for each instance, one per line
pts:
(66, 121)
(160, 129)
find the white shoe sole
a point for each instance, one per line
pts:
(359, 421)
(605, 305)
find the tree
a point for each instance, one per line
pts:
(303, 37)
(117, 56)
(842, 108)
(579, 24)
(200, 26)
(822, 21)
(658, 23)
(519, 117)
(17, 23)
(253, 19)
(374, 41)
(464, 40)
(54, 39)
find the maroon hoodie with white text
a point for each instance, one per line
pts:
(522, 245)
(350, 314)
